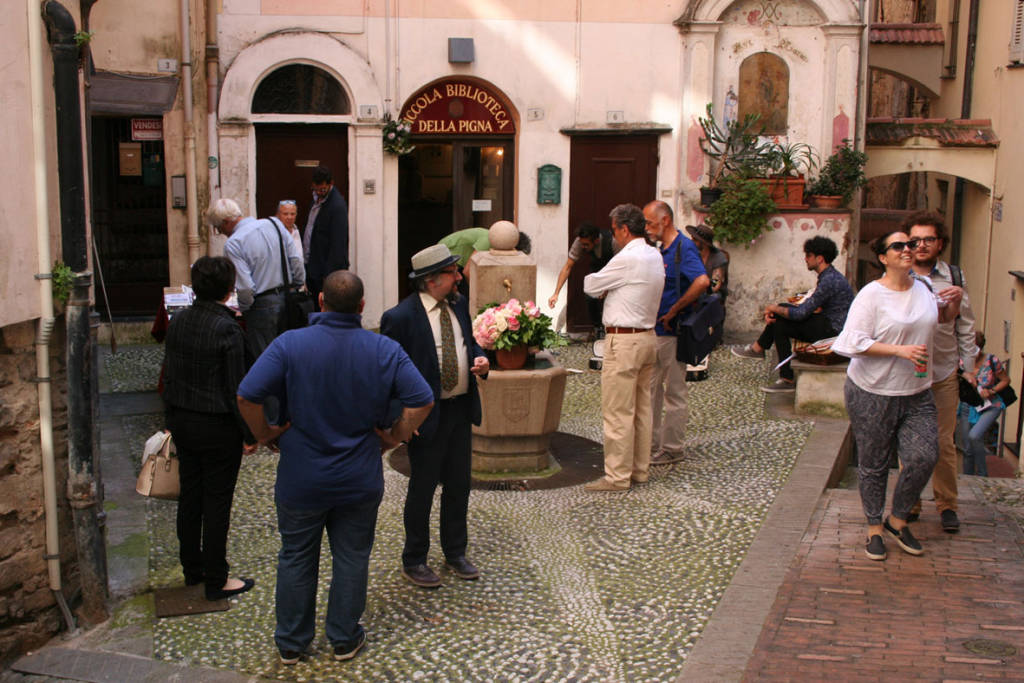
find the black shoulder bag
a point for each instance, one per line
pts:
(298, 304)
(699, 330)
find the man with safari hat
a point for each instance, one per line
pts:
(433, 326)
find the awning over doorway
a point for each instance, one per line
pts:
(131, 94)
(959, 147)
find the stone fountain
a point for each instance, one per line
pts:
(521, 408)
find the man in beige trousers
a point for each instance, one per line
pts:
(631, 285)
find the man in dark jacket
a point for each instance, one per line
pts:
(442, 348)
(325, 241)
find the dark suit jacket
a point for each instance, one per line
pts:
(408, 325)
(328, 246)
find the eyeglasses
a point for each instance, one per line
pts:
(900, 246)
(286, 202)
(450, 271)
(927, 240)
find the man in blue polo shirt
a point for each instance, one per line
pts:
(334, 381)
(685, 280)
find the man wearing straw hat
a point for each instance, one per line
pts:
(433, 326)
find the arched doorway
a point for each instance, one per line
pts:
(462, 172)
(287, 153)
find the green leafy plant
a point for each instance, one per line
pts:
(396, 136)
(842, 174)
(734, 146)
(83, 38)
(740, 216)
(63, 279)
(790, 159)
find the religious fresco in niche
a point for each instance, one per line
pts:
(772, 13)
(764, 90)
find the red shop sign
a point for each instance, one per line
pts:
(457, 107)
(147, 129)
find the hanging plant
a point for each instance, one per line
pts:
(741, 215)
(396, 136)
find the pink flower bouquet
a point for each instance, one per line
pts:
(511, 324)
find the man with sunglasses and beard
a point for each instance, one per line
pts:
(954, 344)
(433, 326)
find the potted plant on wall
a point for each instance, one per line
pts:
(841, 176)
(740, 215)
(732, 146)
(786, 163)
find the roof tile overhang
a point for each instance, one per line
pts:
(947, 132)
(906, 34)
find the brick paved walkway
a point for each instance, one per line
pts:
(955, 613)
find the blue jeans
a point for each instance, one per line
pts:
(972, 437)
(350, 530)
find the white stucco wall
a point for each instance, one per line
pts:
(773, 269)
(612, 56)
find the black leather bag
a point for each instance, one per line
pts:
(968, 393)
(700, 330)
(1008, 395)
(298, 304)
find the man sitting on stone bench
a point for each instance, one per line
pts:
(819, 316)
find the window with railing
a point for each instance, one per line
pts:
(300, 89)
(1017, 37)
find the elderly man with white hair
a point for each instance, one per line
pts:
(254, 246)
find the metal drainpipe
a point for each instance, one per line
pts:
(190, 134)
(46, 321)
(84, 487)
(965, 113)
(212, 84)
(859, 136)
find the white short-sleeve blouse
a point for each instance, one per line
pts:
(880, 314)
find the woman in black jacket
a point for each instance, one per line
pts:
(204, 363)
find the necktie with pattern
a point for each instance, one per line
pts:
(449, 359)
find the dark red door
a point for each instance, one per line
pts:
(285, 156)
(604, 171)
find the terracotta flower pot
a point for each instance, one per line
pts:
(826, 201)
(512, 359)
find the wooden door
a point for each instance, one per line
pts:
(129, 219)
(286, 154)
(604, 171)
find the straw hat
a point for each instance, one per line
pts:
(431, 260)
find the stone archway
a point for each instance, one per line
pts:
(372, 234)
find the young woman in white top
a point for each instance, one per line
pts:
(888, 394)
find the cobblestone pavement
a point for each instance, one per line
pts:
(574, 586)
(953, 614)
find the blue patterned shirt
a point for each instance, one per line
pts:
(833, 296)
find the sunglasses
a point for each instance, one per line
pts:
(900, 246)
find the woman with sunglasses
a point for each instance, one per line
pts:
(887, 335)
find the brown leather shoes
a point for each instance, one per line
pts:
(462, 568)
(603, 484)
(421, 575)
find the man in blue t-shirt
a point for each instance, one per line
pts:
(685, 280)
(335, 382)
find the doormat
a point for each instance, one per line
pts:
(176, 602)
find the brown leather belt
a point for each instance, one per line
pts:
(626, 330)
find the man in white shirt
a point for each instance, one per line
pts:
(953, 343)
(631, 285)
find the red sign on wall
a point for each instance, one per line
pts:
(147, 129)
(456, 107)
